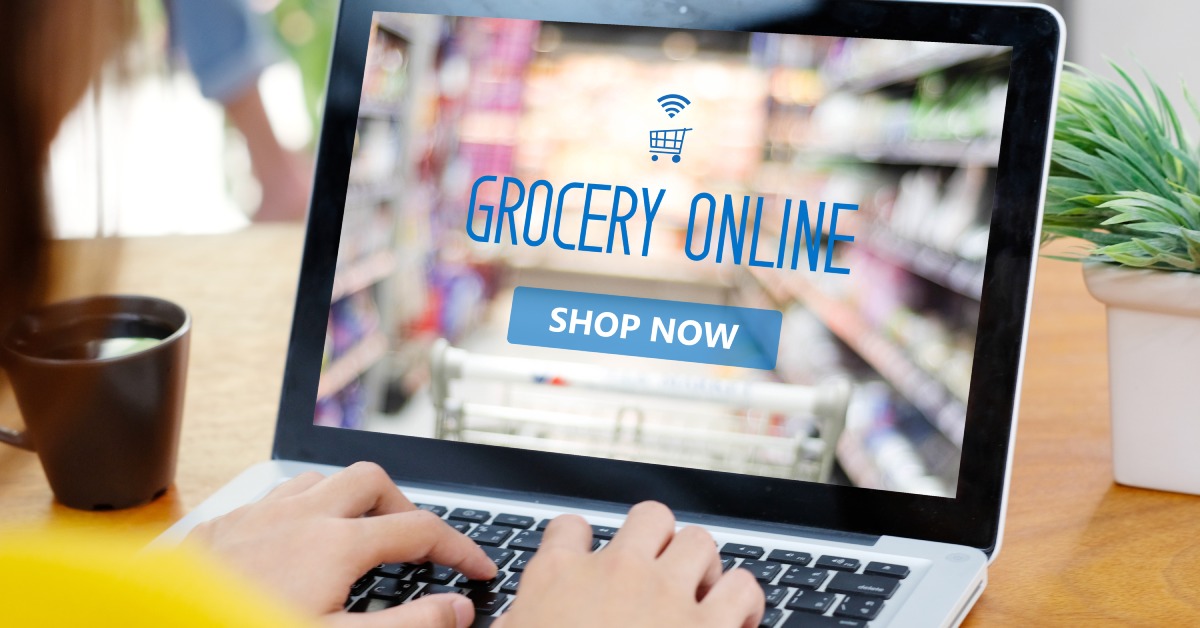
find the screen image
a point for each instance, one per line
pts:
(753, 253)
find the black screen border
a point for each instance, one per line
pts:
(973, 518)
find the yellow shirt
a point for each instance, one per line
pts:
(80, 579)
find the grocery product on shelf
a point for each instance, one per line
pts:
(913, 129)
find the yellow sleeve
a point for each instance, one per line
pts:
(88, 579)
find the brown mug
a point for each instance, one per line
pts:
(100, 383)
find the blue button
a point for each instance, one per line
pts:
(647, 328)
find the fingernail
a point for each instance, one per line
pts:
(464, 611)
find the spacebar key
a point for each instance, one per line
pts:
(855, 584)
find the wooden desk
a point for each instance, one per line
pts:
(1078, 549)
(239, 289)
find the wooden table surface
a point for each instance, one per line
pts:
(1078, 549)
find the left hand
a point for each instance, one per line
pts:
(312, 537)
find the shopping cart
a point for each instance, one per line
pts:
(667, 142)
(738, 426)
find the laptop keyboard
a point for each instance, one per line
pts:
(802, 590)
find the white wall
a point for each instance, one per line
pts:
(1160, 35)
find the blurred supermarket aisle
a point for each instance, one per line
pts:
(912, 130)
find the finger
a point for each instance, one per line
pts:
(445, 610)
(294, 486)
(735, 600)
(418, 536)
(362, 488)
(568, 533)
(647, 529)
(692, 555)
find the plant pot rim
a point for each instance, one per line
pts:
(1143, 289)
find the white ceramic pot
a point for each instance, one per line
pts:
(1153, 373)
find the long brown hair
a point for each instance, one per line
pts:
(50, 52)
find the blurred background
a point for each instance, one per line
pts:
(165, 160)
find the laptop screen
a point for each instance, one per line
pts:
(753, 253)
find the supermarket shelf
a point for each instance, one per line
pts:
(952, 153)
(865, 470)
(379, 110)
(363, 274)
(657, 270)
(923, 390)
(395, 25)
(918, 66)
(859, 466)
(344, 370)
(949, 271)
(361, 194)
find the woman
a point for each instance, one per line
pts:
(312, 537)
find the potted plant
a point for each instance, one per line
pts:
(1125, 179)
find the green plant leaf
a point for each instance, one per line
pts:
(1124, 177)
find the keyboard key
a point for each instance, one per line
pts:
(481, 585)
(393, 570)
(437, 574)
(435, 589)
(838, 563)
(541, 526)
(596, 544)
(487, 603)
(510, 585)
(770, 618)
(809, 620)
(763, 571)
(490, 535)
(886, 569)
(499, 555)
(810, 602)
(461, 526)
(360, 606)
(854, 584)
(469, 514)
(789, 557)
(393, 589)
(514, 521)
(519, 563)
(859, 607)
(727, 563)
(604, 532)
(526, 540)
(375, 604)
(742, 551)
(804, 578)
(775, 595)
(362, 584)
(437, 510)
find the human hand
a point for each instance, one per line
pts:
(648, 575)
(312, 537)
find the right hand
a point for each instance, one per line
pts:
(648, 575)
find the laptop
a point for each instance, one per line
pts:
(767, 262)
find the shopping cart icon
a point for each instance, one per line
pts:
(667, 142)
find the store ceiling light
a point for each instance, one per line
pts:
(679, 46)
(548, 40)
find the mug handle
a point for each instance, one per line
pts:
(15, 438)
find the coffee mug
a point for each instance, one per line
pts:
(100, 384)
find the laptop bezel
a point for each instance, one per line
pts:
(973, 518)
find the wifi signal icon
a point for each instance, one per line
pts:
(673, 104)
